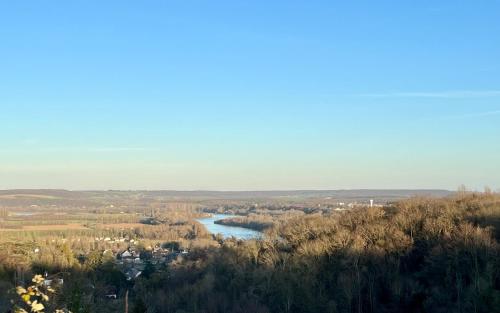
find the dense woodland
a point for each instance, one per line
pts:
(252, 221)
(416, 255)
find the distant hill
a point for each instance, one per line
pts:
(23, 196)
(344, 194)
(56, 193)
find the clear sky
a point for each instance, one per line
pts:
(240, 95)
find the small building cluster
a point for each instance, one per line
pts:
(116, 240)
(132, 262)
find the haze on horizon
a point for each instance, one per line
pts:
(230, 95)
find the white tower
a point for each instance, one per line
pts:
(371, 203)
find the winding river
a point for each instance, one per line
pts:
(228, 231)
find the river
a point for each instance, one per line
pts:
(228, 231)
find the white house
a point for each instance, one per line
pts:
(126, 254)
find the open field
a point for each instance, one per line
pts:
(47, 227)
(29, 196)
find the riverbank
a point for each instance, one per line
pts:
(245, 222)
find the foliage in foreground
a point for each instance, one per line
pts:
(33, 297)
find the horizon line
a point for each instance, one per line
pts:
(227, 190)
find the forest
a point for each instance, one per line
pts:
(421, 254)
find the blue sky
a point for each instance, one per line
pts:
(240, 95)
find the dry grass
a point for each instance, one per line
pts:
(120, 225)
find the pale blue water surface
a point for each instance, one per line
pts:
(228, 231)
